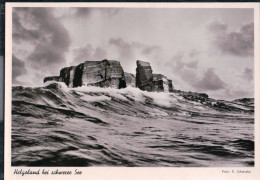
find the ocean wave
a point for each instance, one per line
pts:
(55, 125)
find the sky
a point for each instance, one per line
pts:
(201, 50)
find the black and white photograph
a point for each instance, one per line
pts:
(132, 87)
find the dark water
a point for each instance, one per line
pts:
(56, 126)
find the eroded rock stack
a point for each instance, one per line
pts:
(67, 75)
(144, 76)
(106, 73)
(109, 73)
(160, 83)
(147, 81)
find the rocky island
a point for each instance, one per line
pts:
(109, 73)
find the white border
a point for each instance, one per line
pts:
(94, 173)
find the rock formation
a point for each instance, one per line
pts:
(161, 83)
(170, 85)
(109, 73)
(144, 76)
(51, 78)
(146, 80)
(67, 75)
(106, 73)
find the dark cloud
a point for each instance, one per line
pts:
(49, 37)
(18, 68)
(210, 81)
(88, 53)
(21, 33)
(239, 43)
(248, 74)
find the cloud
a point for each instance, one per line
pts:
(194, 53)
(83, 53)
(125, 49)
(192, 64)
(83, 12)
(180, 61)
(150, 49)
(20, 33)
(189, 76)
(188, 70)
(100, 53)
(185, 69)
(49, 37)
(217, 25)
(88, 53)
(110, 12)
(128, 51)
(248, 74)
(18, 68)
(210, 81)
(238, 43)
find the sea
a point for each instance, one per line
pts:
(54, 125)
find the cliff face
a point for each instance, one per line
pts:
(161, 83)
(146, 80)
(67, 75)
(106, 73)
(109, 73)
(144, 76)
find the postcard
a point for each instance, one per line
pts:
(132, 91)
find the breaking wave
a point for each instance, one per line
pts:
(90, 126)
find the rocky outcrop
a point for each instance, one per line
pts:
(67, 75)
(105, 73)
(51, 78)
(144, 76)
(191, 94)
(170, 85)
(129, 79)
(161, 83)
(109, 73)
(147, 81)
